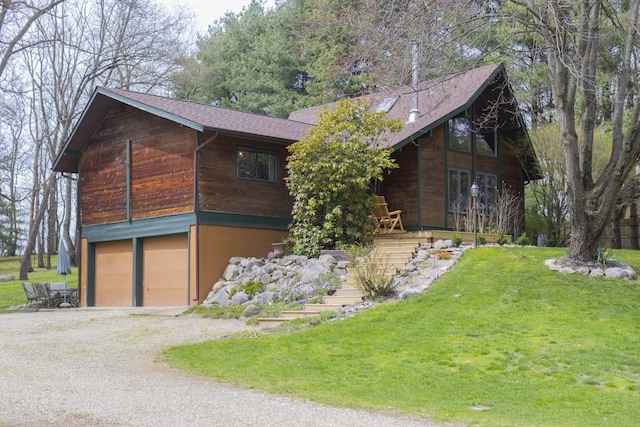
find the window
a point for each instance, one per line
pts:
(256, 164)
(486, 143)
(488, 199)
(459, 134)
(459, 186)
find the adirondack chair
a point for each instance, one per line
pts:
(387, 220)
(30, 293)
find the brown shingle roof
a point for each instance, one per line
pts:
(438, 100)
(201, 117)
(212, 118)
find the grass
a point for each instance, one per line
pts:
(12, 294)
(498, 341)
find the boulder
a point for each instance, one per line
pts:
(327, 260)
(7, 278)
(615, 273)
(220, 298)
(313, 270)
(231, 272)
(251, 310)
(218, 285)
(264, 298)
(596, 272)
(239, 298)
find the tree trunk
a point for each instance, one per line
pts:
(31, 241)
(633, 214)
(615, 241)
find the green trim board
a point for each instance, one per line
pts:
(90, 287)
(147, 227)
(177, 224)
(137, 272)
(242, 220)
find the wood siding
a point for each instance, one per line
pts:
(161, 165)
(434, 172)
(221, 191)
(218, 244)
(400, 187)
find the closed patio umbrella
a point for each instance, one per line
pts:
(64, 267)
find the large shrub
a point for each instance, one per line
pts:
(330, 170)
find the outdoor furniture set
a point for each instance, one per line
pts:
(50, 295)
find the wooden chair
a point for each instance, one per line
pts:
(387, 220)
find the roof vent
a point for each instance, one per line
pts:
(414, 114)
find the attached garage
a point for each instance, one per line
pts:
(165, 271)
(113, 274)
(151, 272)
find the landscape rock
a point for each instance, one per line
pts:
(615, 273)
(218, 298)
(218, 285)
(7, 278)
(439, 244)
(613, 270)
(251, 310)
(239, 298)
(231, 272)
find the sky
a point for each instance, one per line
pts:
(208, 11)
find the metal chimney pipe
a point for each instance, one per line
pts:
(414, 114)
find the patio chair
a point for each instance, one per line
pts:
(387, 220)
(44, 296)
(30, 293)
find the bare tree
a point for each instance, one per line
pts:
(130, 44)
(576, 50)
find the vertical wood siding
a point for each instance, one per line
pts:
(221, 191)
(161, 168)
(433, 187)
(400, 187)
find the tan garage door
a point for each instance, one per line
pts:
(165, 272)
(114, 272)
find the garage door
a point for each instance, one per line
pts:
(166, 271)
(114, 272)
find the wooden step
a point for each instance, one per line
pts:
(348, 300)
(299, 314)
(348, 292)
(323, 307)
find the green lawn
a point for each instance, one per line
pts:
(11, 293)
(498, 341)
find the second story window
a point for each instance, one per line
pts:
(486, 143)
(256, 164)
(459, 134)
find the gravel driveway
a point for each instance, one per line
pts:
(91, 367)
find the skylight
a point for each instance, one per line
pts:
(387, 104)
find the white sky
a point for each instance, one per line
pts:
(208, 11)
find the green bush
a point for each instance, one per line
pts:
(250, 287)
(502, 239)
(456, 240)
(328, 314)
(482, 240)
(523, 240)
(329, 172)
